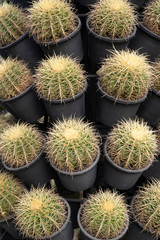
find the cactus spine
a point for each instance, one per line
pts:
(156, 76)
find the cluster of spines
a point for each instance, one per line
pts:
(156, 76)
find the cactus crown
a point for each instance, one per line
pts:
(40, 213)
(151, 16)
(112, 18)
(12, 23)
(15, 78)
(20, 144)
(10, 192)
(156, 73)
(132, 144)
(59, 78)
(105, 215)
(146, 207)
(51, 20)
(72, 145)
(125, 75)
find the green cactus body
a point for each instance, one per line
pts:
(59, 78)
(105, 215)
(20, 144)
(12, 23)
(156, 76)
(40, 213)
(125, 75)
(132, 144)
(10, 193)
(72, 145)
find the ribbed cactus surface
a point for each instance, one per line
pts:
(156, 76)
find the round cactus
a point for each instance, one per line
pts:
(40, 213)
(12, 23)
(10, 193)
(72, 145)
(146, 207)
(59, 78)
(20, 144)
(156, 76)
(112, 18)
(51, 20)
(125, 75)
(104, 215)
(132, 144)
(15, 78)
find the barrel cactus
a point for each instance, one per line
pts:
(156, 76)
(15, 78)
(12, 23)
(20, 144)
(125, 75)
(51, 20)
(59, 78)
(40, 213)
(72, 145)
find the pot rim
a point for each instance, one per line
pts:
(25, 35)
(146, 30)
(11, 217)
(156, 92)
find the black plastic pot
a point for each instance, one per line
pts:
(22, 3)
(26, 106)
(118, 177)
(25, 48)
(83, 18)
(69, 107)
(146, 42)
(111, 110)
(74, 205)
(153, 171)
(149, 110)
(99, 47)
(85, 3)
(6, 236)
(36, 173)
(78, 181)
(9, 226)
(138, 3)
(70, 45)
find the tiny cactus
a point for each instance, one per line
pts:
(6, 120)
(72, 145)
(12, 23)
(59, 78)
(15, 78)
(105, 215)
(156, 76)
(10, 193)
(125, 75)
(132, 144)
(40, 213)
(20, 144)
(51, 20)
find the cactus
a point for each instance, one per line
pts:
(112, 18)
(105, 215)
(20, 144)
(156, 76)
(10, 192)
(15, 78)
(158, 136)
(59, 78)
(146, 207)
(51, 20)
(125, 75)
(151, 16)
(72, 145)
(132, 144)
(6, 119)
(40, 213)
(12, 23)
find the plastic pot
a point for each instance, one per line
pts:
(111, 110)
(154, 170)
(26, 106)
(138, 3)
(22, 3)
(74, 205)
(78, 181)
(118, 177)
(149, 110)
(25, 48)
(85, 3)
(9, 226)
(6, 236)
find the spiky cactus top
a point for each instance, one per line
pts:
(156, 76)
(72, 145)
(51, 20)
(40, 213)
(20, 144)
(105, 215)
(132, 144)
(15, 78)
(125, 75)
(146, 207)
(151, 16)
(12, 23)
(10, 192)
(59, 78)
(112, 18)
